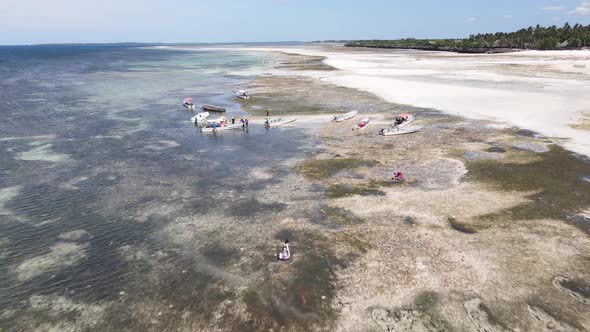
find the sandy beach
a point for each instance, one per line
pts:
(546, 92)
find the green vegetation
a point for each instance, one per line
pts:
(531, 38)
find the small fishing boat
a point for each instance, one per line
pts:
(361, 125)
(399, 131)
(221, 128)
(402, 120)
(278, 122)
(200, 117)
(344, 117)
(243, 94)
(188, 104)
(213, 108)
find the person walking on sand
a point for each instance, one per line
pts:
(267, 113)
(233, 120)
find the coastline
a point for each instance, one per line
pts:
(465, 243)
(526, 89)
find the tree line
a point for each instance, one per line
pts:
(531, 38)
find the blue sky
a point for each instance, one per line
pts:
(62, 21)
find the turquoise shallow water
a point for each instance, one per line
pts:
(99, 164)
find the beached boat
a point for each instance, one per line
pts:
(278, 122)
(344, 117)
(222, 128)
(399, 131)
(402, 120)
(200, 117)
(213, 108)
(361, 125)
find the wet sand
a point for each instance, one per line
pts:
(481, 236)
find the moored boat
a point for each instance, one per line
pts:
(213, 108)
(243, 94)
(200, 117)
(361, 125)
(399, 131)
(278, 122)
(344, 117)
(402, 120)
(188, 104)
(221, 128)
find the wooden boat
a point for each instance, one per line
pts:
(213, 108)
(399, 131)
(344, 117)
(402, 120)
(278, 122)
(222, 128)
(361, 125)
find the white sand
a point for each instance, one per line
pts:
(546, 92)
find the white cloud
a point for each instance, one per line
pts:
(470, 19)
(508, 16)
(552, 8)
(582, 9)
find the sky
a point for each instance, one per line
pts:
(200, 21)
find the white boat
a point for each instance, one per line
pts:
(344, 117)
(278, 122)
(222, 128)
(188, 104)
(361, 125)
(243, 94)
(402, 120)
(399, 131)
(200, 117)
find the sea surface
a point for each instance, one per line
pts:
(101, 173)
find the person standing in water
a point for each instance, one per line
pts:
(233, 120)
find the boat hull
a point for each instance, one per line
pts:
(279, 122)
(213, 108)
(344, 117)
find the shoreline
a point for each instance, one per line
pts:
(527, 89)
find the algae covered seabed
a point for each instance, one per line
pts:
(177, 231)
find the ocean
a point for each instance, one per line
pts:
(116, 213)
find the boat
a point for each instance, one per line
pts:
(222, 128)
(200, 117)
(344, 117)
(278, 122)
(400, 131)
(361, 125)
(213, 108)
(188, 104)
(402, 120)
(243, 94)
